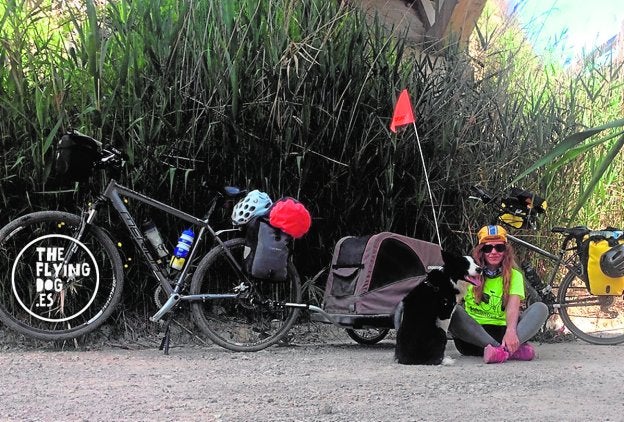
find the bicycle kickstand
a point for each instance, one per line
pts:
(164, 344)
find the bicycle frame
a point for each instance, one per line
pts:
(558, 259)
(113, 194)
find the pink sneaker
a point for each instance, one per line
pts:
(524, 352)
(493, 354)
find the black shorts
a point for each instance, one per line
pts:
(467, 349)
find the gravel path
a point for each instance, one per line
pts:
(329, 379)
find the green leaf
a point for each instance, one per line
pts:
(17, 162)
(171, 172)
(604, 165)
(565, 145)
(50, 138)
(187, 172)
(579, 150)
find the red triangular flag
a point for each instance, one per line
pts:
(403, 114)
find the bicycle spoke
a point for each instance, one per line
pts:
(252, 321)
(595, 319)
(368, 336)
(54, 287)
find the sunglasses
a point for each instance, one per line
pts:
(500, 247)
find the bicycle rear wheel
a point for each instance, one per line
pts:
(52, 285)
(256, 318)
(594, 319)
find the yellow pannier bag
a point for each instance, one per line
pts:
(597, 281)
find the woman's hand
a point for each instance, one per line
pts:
(511, 341)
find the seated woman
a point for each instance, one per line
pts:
(489, 322)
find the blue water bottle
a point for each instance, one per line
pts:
(182, 249)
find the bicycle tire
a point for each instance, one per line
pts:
(367, 336)
(243, 324)
(594, 319)
(50, 304)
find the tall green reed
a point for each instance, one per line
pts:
(272, 95)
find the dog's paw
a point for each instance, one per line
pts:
(448, 361)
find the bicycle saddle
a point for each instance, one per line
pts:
(233, 192)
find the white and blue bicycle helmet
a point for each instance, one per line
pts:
(256, 203)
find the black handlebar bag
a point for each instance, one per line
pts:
(75, 157)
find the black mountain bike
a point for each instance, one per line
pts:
(61, 275)
(597, 319)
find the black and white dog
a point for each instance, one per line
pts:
(423, 317)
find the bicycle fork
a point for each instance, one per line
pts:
(69, 254)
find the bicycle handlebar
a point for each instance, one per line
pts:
(481, 194)
(112, 157)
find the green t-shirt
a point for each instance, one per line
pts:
(490, 311)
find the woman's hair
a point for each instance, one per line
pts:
(508, 263)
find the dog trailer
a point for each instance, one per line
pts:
(369, 276)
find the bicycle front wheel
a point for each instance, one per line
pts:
(594, 319)
(253, 320)
(54, 285)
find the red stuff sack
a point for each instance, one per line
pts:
(290, 216)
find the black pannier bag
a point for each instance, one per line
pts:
(75, 157)
(267, 250)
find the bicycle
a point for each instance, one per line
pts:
(596, 319)
(61, 275)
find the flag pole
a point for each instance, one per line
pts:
(422, 158)
(404, 115)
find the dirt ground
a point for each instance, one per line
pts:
(321, 377)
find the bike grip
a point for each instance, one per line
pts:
(121, 154)
(558, 230)
(479, 193)
(112, 150)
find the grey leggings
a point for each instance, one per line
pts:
(465, 328)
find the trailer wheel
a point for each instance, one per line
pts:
(368, 336)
